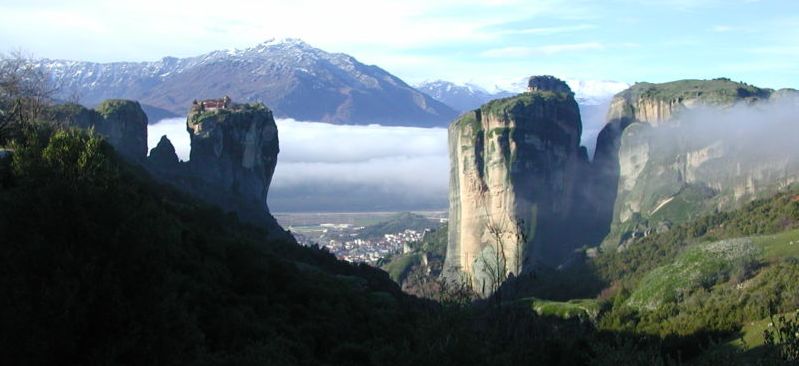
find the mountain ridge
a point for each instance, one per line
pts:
(294, 78)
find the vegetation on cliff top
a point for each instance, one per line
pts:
(120, 107)
(719, 90)
(512, 107)
(221, 115)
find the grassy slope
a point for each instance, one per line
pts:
(670, 284)
(697, 266)
(576, 308)
(784, 244)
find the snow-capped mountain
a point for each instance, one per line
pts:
(459, 97)
(291, 77)
(469, 96)
(587, 92)
(593, 97)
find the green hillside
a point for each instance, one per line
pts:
(101, 265)
(397, 224)
(715, 278)
(418, 270)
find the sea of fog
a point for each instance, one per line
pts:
(326, 167)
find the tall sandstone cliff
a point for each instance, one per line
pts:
(673, 151)
(233, 156)
(234, 150)
(516, 167)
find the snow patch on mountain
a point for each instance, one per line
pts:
(290, 76)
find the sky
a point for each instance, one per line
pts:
(479, 41)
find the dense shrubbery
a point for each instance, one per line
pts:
(783, 336)
(765, 216)
(737, 292)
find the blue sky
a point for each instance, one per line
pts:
(482, 41)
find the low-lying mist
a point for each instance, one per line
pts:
(754, 129)
(593, 120)
(325, 167)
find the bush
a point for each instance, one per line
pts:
(782, 337)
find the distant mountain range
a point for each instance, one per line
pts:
(593, 97)
(291, 77)
(468, 96)
(462, 98)
(296, 81)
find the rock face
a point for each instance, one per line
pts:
(163, 156)
(515, 169)
(233, 156)
(234, 149)
(122, 122)
(671, 152)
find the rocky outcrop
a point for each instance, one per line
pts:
(233, 156)
(547, 83)
(163, 156)
(516, 165)
(234, 149)
(122, 122)
(671, 152)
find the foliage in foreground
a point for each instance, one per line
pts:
(783, 336)
(99, 265)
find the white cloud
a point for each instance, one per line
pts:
(150, 29)
(344, 161)
(541, 50)
(548, 30)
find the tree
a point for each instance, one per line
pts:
(506, 236)
(26, 90)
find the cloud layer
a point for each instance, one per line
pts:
(175, 130)
(400, 166)
(325, 167)
(340, 167)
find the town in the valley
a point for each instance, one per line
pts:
(352, 240)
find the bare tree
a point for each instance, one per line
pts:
(26, 90)
(505, 236)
